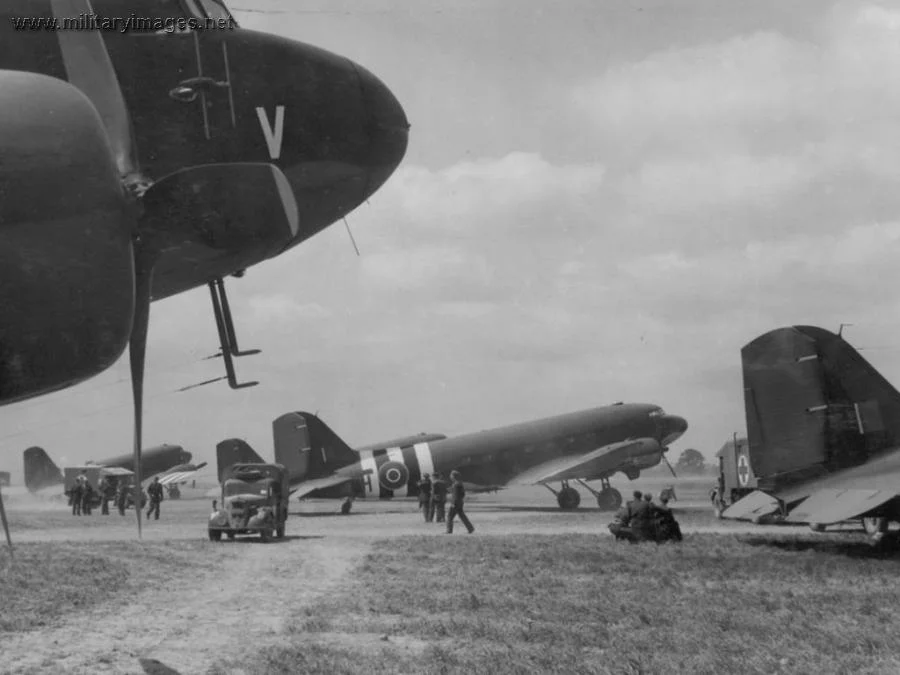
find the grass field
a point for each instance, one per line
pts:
(585, 604)
(45, 582)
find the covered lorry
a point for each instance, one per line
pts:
(254, 500)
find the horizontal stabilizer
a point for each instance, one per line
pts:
(834, 506)
(752, 507)
(589, 466)
(310, 486)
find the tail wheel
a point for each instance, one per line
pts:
(609, 499)
(568, 499)
(878, 525)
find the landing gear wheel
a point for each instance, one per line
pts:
(817, 527)
(609, 499)
(568, 499)
(215, 535)
(877, 525)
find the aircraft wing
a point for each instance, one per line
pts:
(752, 507)
(594, 464)
(308, 486)
(834, 506)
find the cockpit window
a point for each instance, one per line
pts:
(657, 412)
(216, 10)
(143, 16)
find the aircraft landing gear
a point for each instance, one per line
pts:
(568, 498)
(875, 526)
(608, 499)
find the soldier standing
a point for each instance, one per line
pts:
(456, 505)
(104, 489)
(122, 495)
(438, 497)
(155, 492)
(425, 497)
(87, 497)
(75, 495)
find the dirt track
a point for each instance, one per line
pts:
(194, 622)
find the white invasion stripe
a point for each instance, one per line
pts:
(370, 482)
(423, 454)
(807, 358)
(396, 455)
(176, 477)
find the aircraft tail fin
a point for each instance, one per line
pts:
(40, 470)
(235, 451)
(814, 405)
(308, 448)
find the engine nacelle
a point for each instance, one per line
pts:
(66, 263)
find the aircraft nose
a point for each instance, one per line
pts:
(387, 127)
(673, 428)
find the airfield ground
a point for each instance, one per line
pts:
(533, 590)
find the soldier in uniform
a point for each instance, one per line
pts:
(619, 525)
(122, 495)
(458, 498)
(438, 497)
(155, 492)
(104, 488)
(75, 495)
(642, 526)
(425, 497)
(87, 497)
(667, 528)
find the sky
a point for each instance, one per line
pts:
(600, 202)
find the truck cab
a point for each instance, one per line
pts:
(254, 500)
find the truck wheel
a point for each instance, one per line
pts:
(279, 532)
(264, 535)
(230, 534)
(215, 535)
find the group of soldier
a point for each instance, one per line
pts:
(82, 495)
(433, 498)
(642, 520)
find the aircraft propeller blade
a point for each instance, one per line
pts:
(668, 464)
(5, 525)
(143, 277)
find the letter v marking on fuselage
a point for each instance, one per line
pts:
(273, 136)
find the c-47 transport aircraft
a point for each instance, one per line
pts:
(143, 159)
(582, 446)
(171, 463)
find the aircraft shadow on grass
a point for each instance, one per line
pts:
(889, 548)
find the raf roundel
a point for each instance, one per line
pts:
(743, 470)
(393, 475)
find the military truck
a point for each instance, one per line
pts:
(94, 473)
(254, 501)
(736, 477)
